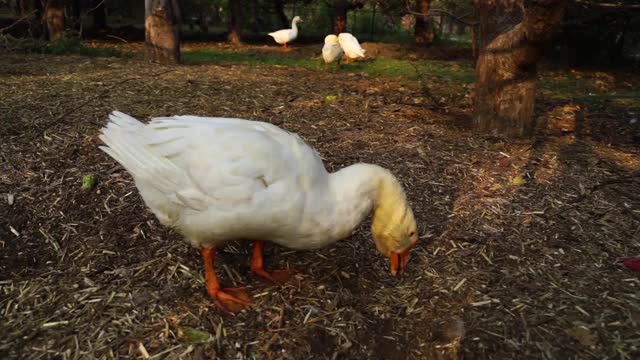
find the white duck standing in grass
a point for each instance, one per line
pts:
(286, 36)
(331, 51)
(350, 46)
(219, 179)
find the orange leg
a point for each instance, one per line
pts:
(285, 46)
(326, 65)
(230, 299)
(257, 267)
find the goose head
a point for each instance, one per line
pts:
(393, 228)
(331, 39)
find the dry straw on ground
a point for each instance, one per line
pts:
(527, 267)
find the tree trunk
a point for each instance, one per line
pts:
(422, 29)
(203, 24)
(511, 43)
(36, 23)
(20, 7)
(54, 16)
(340, 17)
(100, 14)
(235, 21)
(282, 17)
(162, 18)
(474, 40)
(76, 10)
(340, 10)
(253, 23)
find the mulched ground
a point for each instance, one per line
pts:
(520, 241)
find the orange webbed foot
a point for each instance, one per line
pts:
(232, 300)
(278, 277)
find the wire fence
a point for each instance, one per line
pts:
(368, 24)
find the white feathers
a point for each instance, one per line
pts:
(343, 44)
(331, 51)
(285, 36)
(350, 46)
(220, 179)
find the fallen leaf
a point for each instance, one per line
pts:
(583, 335)
(504, 162)
(518, 180)
(331, 98)
(195, 336)
(89, 181)
(632, 263)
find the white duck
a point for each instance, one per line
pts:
(219, 179)
(351, 46)
(331, 51)
(286, 36)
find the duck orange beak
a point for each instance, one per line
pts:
(399, 261)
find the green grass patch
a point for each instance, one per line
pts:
(622, 98)
(566, 85)
(454, 71)
(584, 89)
(69, 44)
(249, 57)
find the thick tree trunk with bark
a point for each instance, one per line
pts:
(235, 21)
(511, 43)
(54, 17)
(340, 10)
(162, 19)
(422, 29)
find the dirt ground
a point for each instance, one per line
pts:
(520, 241)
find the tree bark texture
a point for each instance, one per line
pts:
(235, 21)
(513, 34)
(162, 19)
(340, 10)
(54, 17)
(422, 28)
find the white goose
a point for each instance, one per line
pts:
(219, 179)
(286, 36)
(331, 51)
(351, 46)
